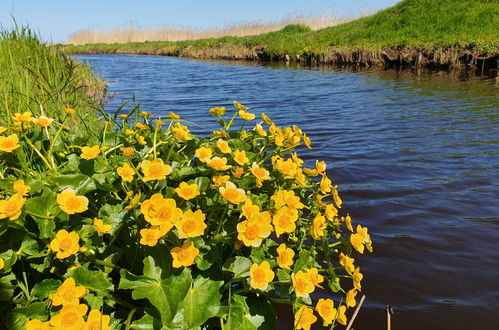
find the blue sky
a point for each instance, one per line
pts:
(57, 19)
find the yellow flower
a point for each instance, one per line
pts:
(259, 129)
(223, 146)
(129, 131)
(350, 299)
(100, 227)
(304, 318)
(90, 152)
(43, 121)
(68, 293)
(21, 188)
(253, 231)
(141, 126)
(285, 256)
(233, 194)
(249, 208)
(306, 140)
(150, 236)
(218, 164)
(219, 134)
(126, 172)
(348, 222)
(286, 198)
(124, 116)
(141, 140)
(284, 220)
(325, 308)
(187, 191)
(65, 244)
(357, 278)
(300, 177)
(361, 238)
(331, 212)
(38, 325)
(239, 106)
(318, 226)
(70, 317)
(128, 151)
(286, 167)
(97, 321)
(320, 166)
(240, 157)
(325, 185)
(266, 119)
(313, 273)
(181, 132)
(173, 115)
(261, 275)
(204, 154)
(260, 173)
(25, 117)
(220, 180)
(347, 263)
(302, 284)
(238, 172)
(133, 202)
(155, 169)
(336, 197)
(340, 315)
(12, 207)
(217, 111)
(145, 114)
(9, 143)
(159, 211)
(2, 129)
(184, 256)
(246, 115)
(191, 224)
(159, 123)
(70, 203)
(2, 263)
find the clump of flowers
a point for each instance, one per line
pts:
(146, 225)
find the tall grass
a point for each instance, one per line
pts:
(39, 79)
(133, 33)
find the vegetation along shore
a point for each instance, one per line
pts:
(447, 34)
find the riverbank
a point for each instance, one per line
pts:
(448, 34)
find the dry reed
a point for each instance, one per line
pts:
(133, 33)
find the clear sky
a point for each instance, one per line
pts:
(57, 19)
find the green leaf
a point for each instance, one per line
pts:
(238, 265)
(42, 206)
(82, 184)
(6, 287)
(29, 246)
(113, 215)
(46, 227)
(203, 292)
(283, 275)
(164, 291)
(251, 313)
(94, 302)
(203, 183)
(18, 317)
(304, 260)
(145, 323)
(9, 257)
(93, 280)
(44, 288)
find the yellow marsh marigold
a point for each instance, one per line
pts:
(217, 111)
(232, 194)
(141, 140)
(239, 106)
(129, 132)
(286, 167)
(181, 132)
(261, 275)
(9, 143)
(248, 209)
(38, 325)
(336, 197)
(70, 317)
(315, 277)
(284, 220)
(70, 203)
(266, 119)
(70, 111)
(331, 212)
(259, 129)
(253, 231)
(124, 116)
(304, 318)
(318, 226)
(285, 256)
(325, 185)
(21, 188)
(357, 279)
(97, 321)
(159, 123)
(159, 211)
(128, 151)
(126, 172)
(325, 308)
(100, 227)
(361, 238)
(320, 166)
(310, 172)
(191, 224)
(90, 152)
(184, 256)
(240, 157)
(223, 146)
(2, 263)
(307, 141)
(141, 126)
(65, 244)
(350, 299)
(204, 153)
(150, 236)
(302, 284)
(340, 317)
(246, 115)
(133, 202)
(286, 198)
(348, 222)
(12, 207)
(3, 129)
(218, 163)
(187, 191)
(238, 172)
(300, 178)
(145, 114)
(155, 169)
(173, 115)
(347, 263)
(43, 121)
(220, 180)
(25, 117)
(68, 293)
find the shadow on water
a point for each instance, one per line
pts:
(416, 159)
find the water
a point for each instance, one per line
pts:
(416, 159)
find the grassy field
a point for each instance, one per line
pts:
(39, 79)
(428, 24)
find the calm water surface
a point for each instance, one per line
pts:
(416, 159)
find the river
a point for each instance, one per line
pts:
(416, 159)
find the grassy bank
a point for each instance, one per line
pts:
(413, 32)
(39, 79)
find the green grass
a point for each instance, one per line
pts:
(471, 24)
(38, 78)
